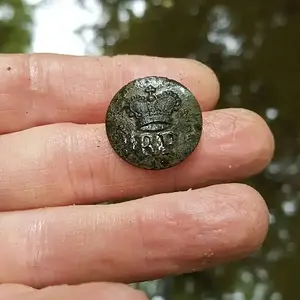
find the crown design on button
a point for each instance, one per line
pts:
(154, 111)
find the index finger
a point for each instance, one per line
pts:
(44, 89)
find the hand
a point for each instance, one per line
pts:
(54, 153)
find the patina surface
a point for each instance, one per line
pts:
(154, 123)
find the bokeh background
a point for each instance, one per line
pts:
(254, 48)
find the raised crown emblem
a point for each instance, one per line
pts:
(154, 111)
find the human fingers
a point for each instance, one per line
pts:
(74, 164)
(9, 291)
(91, 291)
(143, 239)
(46, 89)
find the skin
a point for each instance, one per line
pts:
(54, 153)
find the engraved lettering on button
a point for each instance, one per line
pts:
(133, 141)
(153, 112)
(160, 145)
(157, 143)
(168, 138)
(147, 144)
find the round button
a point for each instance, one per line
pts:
(154, 123)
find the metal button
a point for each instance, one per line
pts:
(154, 123)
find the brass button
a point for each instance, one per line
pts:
(154, 123)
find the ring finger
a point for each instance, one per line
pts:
(148, 238)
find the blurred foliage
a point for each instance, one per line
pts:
(15, 26)
(254, 48)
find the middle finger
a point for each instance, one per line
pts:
(67, 164)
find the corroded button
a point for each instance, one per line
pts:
(154, 123)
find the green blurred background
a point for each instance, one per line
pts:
(254, 48)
